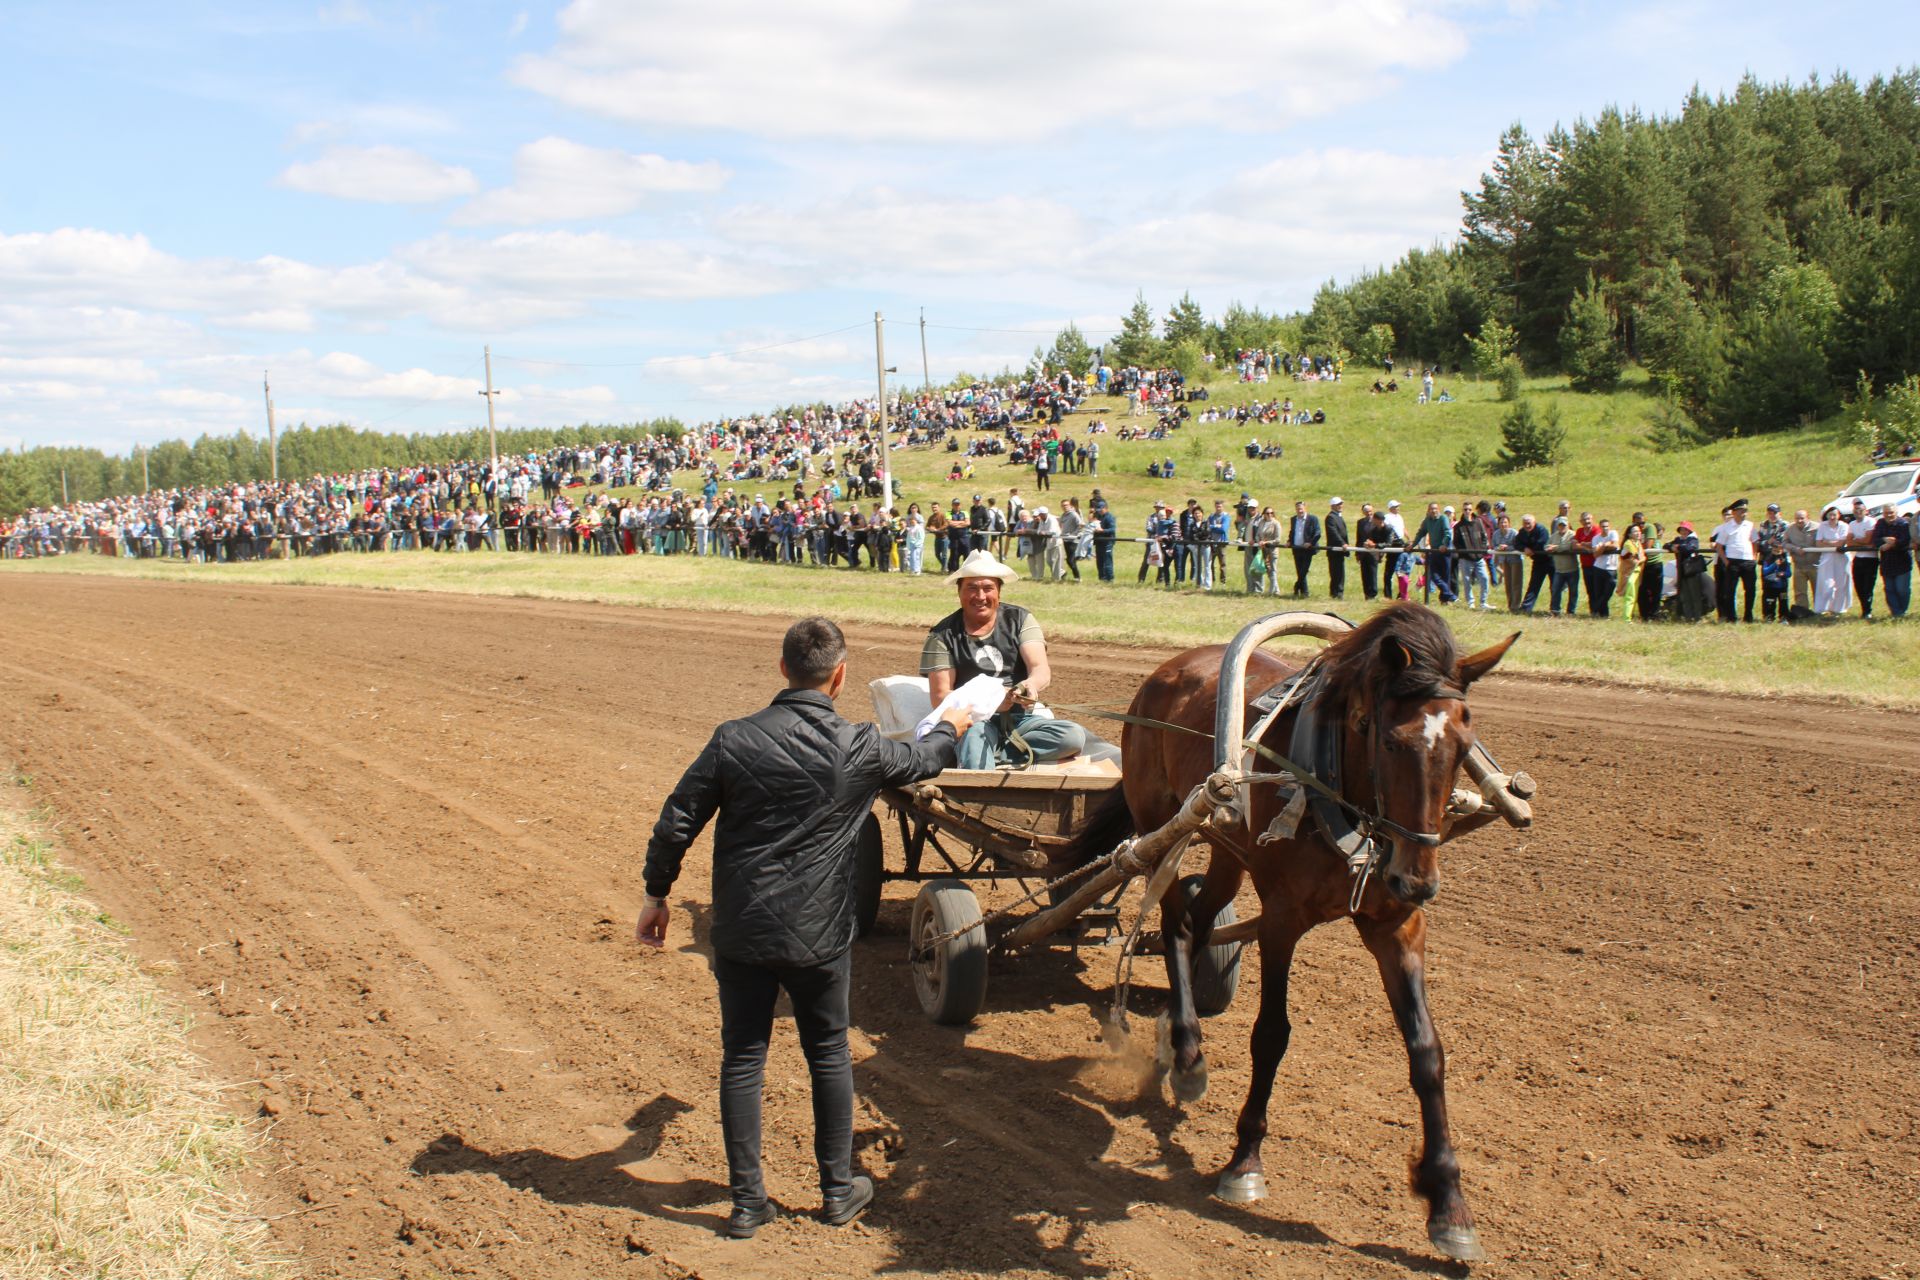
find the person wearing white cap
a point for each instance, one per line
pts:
(1395, 520)
(985, 637)
(1334, 529)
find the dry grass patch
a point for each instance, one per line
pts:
(117, 1158)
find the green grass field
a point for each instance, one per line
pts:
(1372, 447)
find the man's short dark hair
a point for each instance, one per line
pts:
(812, 649)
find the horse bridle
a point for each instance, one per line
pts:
(1379, 818)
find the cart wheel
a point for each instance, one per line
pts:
(1216, 971)
(951, 981)
(868, 871)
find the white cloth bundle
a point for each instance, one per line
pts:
(981, 695)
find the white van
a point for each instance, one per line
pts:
(1897, 482)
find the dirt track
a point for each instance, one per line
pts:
(392, 844)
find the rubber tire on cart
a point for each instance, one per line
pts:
(952, 981)
(869, 870)
(1216, 971)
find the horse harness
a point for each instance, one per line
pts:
(1349, 829)
(1317, 740)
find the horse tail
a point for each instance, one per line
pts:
(1105, 828)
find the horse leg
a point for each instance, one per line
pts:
(1186, 926)
(1244, 1179)
(1401, 953)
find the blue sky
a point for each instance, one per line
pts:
(634, 202)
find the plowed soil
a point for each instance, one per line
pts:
(391, 846)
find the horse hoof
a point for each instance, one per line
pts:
(1462, 1244)
(1190, 1086)
(1241, 1188)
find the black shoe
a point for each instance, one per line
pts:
(840, 1210)
(745, 1221)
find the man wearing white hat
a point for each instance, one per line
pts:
(986, 637)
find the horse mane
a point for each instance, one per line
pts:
(1356, 664)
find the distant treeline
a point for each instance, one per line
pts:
(32, 479)
(1756, 253)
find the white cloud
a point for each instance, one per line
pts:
(1292, 221)
(980, 70)
(761, 380)
(883, 234)
(383, 174)
(345, 13)
(555, 180)
(99, 280)
(557, 270)
(195, 398)
(519, 26)
(93, 368)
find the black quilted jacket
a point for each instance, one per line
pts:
(791, 784)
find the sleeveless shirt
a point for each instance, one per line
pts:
(994, 654)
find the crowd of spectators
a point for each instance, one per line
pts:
(803, 487)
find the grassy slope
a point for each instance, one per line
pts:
(1371, 447)
(1380, 447)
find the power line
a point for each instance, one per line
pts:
(426, 399)
(1041, 333)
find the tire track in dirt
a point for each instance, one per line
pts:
(1639, 1014)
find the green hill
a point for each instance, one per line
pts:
(1376, 447)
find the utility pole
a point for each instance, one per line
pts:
(273, 438)
(146, 485)
(926, 379)
(880, 374)
(493, 449)
(65, 501)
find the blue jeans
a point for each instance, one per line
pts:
(1475, 573)
(989, 744)
(1897, 591)
(1568, 582)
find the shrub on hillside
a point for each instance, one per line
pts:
(1588, 347)
(1672, 430)
(1509, 376)
(1190, 359)
(1530, 439)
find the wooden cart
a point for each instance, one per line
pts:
(969, 827)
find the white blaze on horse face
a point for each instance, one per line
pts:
(1435, 725)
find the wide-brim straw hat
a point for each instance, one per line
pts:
(980, 564)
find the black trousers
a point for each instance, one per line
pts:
(1336, 574)
(819, 996)
(1541, 576)
(1302, 561)
(1369, 575)
(1865, 574)
(1653, 578)
(1601, 584)
(1743, 576)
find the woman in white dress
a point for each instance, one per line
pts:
(1833, 584)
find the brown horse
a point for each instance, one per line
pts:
(1396, 690)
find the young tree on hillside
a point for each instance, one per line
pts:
(1374, 346)
(1070, 351)
(1137, 343)
(1529, 439)
(1588, 347)
(1186, 322)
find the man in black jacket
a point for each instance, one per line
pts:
(792, 784)
(1337, 540)
(1304, 537)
